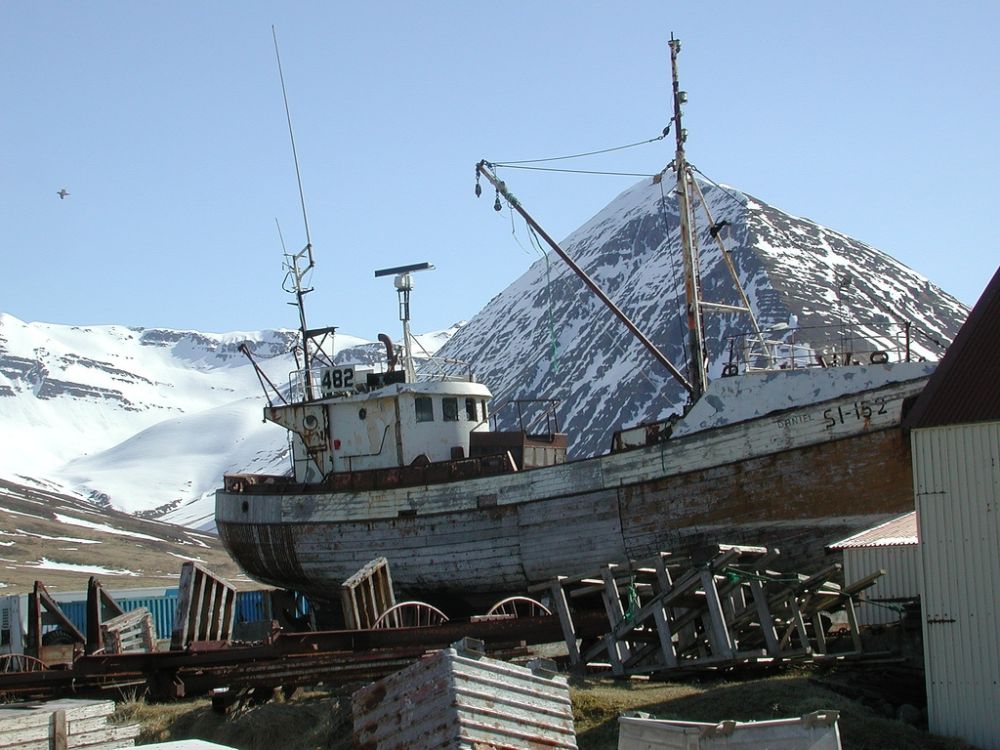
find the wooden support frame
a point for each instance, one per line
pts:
(367, 595)
(101, 606)
(726, 609)
(44, 610)
(206, 608)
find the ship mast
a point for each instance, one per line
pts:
(687, 192)
(295, 273)
(692, 283)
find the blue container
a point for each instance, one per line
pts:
(251, 606)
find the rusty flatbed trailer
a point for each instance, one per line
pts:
(283, 660)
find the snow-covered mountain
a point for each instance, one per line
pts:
(148, 420)
(548, 337)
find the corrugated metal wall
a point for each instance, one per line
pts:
(957, 486)
(901, 581)
(250, 607)
(160, 607)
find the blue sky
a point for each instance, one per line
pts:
(164, 120)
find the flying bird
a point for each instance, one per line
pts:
(63, 192)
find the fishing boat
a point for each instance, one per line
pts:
(407, 466)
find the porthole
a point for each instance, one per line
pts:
(245, 506)
(362, 413)
(310, 422)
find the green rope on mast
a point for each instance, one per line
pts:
(553, 342)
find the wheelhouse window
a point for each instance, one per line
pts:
(425, 409)
(449, 409)
(470, 410)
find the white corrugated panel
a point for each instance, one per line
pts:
(459, 701)
(956, 472)
(815, 731)
(187, 745)
(901, 563)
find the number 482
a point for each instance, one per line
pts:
(334, 379)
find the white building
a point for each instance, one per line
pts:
(955, 442)
(893, 547)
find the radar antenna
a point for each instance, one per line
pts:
(404, 285)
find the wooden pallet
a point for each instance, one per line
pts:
(129, 632)
(367, 595)
(62, 724)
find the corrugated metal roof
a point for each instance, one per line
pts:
(901, 530)
(965, 387)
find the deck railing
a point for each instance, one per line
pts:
(851, 343)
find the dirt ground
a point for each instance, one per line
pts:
(880, 708)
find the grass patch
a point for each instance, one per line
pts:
(316, 719)
(597, 704)
(321, 719)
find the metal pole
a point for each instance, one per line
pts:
(696, 346)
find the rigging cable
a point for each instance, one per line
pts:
(728, 193)
(537, 246)
(513, 165)
(673, 269)
(660, 137)
(553, 344)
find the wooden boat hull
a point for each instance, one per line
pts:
(787, 479)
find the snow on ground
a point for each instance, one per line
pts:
(73, 539)
(178, 459)
(103, 527)
(47, 564)
(144, 419)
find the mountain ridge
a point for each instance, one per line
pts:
(791, 268)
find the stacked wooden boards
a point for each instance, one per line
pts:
(457, 699)
(63, 725)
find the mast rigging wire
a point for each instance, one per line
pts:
(553, 342)
(671, 264)
(514, 165)
(660, 137)
(728, 193)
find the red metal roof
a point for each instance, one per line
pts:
(901, 530)
(965, 387)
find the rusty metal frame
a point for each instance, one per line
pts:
(285, 659)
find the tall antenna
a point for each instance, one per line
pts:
(291, 136)
(295, 273)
